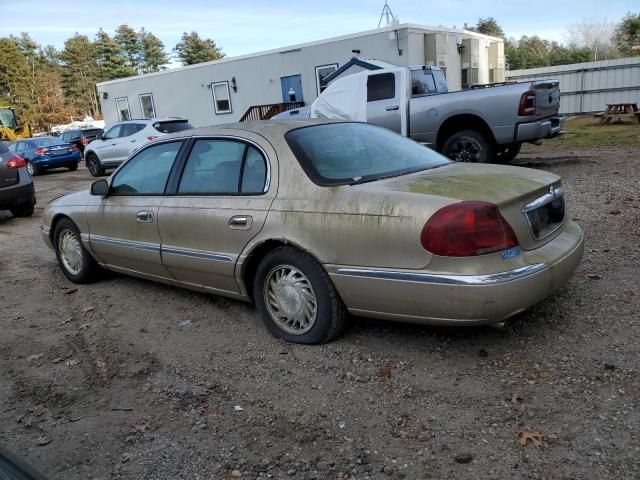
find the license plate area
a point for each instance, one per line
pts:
(545, 214)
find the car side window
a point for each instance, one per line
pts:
(129, 129)
(381, 87)
(147, 172)
(216, 166)
(113, 132)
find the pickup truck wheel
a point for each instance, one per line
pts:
(508, 153)
(93, 164)
(468, 146)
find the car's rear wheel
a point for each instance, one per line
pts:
(73, 168)
(32, 169)
(296, 298)
(468, 146)
(94, 166)
(74, 260)
(23, 210)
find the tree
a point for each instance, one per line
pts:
(487, 26)
(14, 73)
(80, 74)
(153, 57)
(594, 35)
(129, 41)
(192, 49)
(110, 58)
(627, 35)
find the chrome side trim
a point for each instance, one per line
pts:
(197, 254)
(445, 279)
(150, 247)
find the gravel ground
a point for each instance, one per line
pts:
(129, 379)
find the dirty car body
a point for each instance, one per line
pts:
(311, 219)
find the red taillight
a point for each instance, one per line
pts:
(84, 141)
(152, 137)
(467, 228)
(73, 147)
(41, 151)
(527, 104)
(16, 162)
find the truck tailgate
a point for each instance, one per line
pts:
(547, 97)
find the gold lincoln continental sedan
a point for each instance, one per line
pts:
(313, 220)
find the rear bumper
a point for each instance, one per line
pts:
(57, 161)
(444, 299)
(22, 193)
(544, 128)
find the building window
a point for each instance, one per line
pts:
(122, 105)
(322, 71)
(147, 106)
(221, 97)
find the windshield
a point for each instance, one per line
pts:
(7, 118)
(346, 153)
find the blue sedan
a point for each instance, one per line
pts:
(43, 153)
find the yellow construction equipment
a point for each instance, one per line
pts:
(9, 129)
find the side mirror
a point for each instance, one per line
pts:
(100, 187)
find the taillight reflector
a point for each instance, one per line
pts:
(16, 162)
(41, 151)
(527, 104)
(73, 147)
(466, 229)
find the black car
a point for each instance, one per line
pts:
(82, 137)
(16, 187)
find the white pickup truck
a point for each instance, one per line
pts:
(484, 124)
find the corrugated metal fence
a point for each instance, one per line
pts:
(588, 87)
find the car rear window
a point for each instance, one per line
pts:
(3, 148)
(172, 126)
(347, 153)
(46, 141)
(92, 133)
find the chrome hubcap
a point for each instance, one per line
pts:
(290, 299)
(30, 168)
(70, 252)
(465, 149)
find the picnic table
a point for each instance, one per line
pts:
(618, 112)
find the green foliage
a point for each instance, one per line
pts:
(192, 49)
(14, 70)
(110, 58)
(80, 73)
(129, 41)
(487, 26)
(627, 35)
(153, 56)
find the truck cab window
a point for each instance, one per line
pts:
(422, 82)
(381, 87)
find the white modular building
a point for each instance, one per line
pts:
(259, 85)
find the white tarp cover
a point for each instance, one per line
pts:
(344, 99)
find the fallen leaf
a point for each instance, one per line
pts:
(533, 437)
(142, 426)
(383, 372)
(58, 360)
(127, 457)
(101, 364)
(35, 356)
(87, 310)
(43, 440)
(73, 362)
(70, 291)
(64, 322)
(593, 276)
(84, 326)
(615, 212)
(202, 409)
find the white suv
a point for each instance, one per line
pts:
(123, 138)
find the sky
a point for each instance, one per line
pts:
(247, 26)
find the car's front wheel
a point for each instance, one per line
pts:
(94, 166)
(296, 298)
(74, 260)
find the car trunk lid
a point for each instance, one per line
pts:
(530, 200)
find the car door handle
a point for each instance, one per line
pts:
(144, 216)
(240, 222)
(132, 141)
(392, 107)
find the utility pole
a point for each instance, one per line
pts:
(388, 15)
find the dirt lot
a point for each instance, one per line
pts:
(129, 379)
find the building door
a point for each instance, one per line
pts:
(291, 88)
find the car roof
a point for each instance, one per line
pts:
(153, 120)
